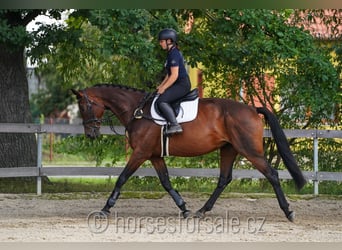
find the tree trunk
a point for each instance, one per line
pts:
(16, 149)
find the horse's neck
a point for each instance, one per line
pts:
(122, 103)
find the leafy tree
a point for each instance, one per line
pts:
(236, 48)
(16, 44)
(18, 149)
(115, 46)
(244, 45)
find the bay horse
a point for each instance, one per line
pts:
(230, 126)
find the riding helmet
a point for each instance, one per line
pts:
(168, 34)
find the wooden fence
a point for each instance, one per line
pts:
(39, 170)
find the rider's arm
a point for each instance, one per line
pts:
(168, 80)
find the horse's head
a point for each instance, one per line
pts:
(91, 113)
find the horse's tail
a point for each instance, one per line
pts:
(283, 147)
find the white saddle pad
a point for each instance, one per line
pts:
(188, 112)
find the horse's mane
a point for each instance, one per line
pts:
(112, 85)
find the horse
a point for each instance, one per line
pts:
(221, 124)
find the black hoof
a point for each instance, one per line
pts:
(105, 211)
(186, 213)
(291, 216)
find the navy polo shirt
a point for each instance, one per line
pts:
(174, 59)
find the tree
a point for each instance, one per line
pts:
(244, 45)
(19, 150)
(116, 46)
(240, 49)
(236, 48)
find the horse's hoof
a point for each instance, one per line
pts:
(291, 216)
(199, 214)
(105, 211)
(186, 213)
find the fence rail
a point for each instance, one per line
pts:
(120, 130)
(40, 171)
(184, 172)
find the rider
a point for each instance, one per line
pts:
(176, 83)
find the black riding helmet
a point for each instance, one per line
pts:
(168, 34)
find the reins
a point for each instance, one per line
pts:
(139, 113)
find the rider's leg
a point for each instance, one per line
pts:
(170, 116)
(171, 94)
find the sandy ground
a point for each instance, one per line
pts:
(28, 218)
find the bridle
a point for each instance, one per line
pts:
(95, 121)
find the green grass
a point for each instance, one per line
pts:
(150, 187)
(66, 159)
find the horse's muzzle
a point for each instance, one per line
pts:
(91, 132)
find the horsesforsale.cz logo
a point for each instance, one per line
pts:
(97, 222)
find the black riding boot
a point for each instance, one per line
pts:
(169, 115)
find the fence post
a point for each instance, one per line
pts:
(39, 160)
(315, 181)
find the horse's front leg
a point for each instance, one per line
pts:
(160, 167)
(133, 164)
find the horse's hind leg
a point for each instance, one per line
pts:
(160, 167)
(272, 176)
(227, 158)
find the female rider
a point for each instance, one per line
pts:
(176, 83)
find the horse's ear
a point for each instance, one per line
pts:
(77, 93)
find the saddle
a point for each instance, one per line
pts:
(185, 108)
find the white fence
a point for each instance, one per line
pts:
(39, 171)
